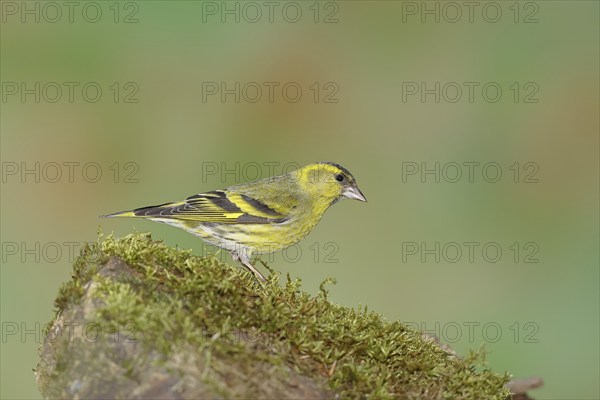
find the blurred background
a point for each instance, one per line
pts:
(471, 129)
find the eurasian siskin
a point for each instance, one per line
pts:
(258, 217)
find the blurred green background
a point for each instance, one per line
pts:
(156, 135)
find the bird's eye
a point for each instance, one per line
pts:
(339, 177)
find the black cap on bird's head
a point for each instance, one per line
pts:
(345, 179)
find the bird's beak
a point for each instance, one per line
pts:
(353, 192)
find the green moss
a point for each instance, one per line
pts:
(174, 301)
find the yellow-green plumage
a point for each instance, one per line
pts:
(258, 217)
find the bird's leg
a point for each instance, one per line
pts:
(244, 259)
(257, 274)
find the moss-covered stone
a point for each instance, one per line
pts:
(142, 320)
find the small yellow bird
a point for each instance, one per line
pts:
(258, 217)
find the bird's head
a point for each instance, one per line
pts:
(329, 181)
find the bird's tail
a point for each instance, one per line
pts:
(144, 212)
(120, 214)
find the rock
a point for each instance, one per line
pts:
(142, 320)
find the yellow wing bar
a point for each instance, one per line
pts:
(217, 206)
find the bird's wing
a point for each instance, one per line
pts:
(219, 206)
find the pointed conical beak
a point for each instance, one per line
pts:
(353, 192)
